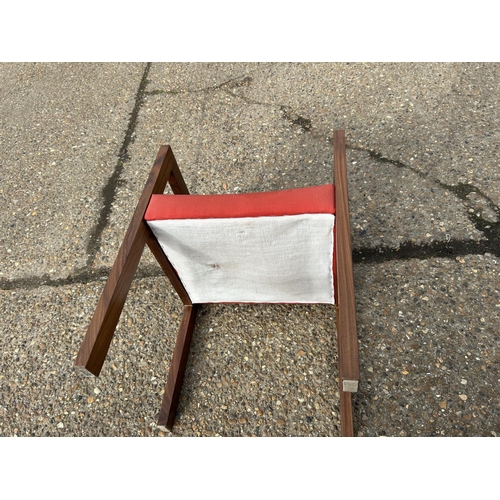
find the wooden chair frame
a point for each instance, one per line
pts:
(100, 332)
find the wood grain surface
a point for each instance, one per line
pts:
(100, 332)
(177, 368)
(344, 286)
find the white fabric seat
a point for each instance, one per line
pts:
(286, 257)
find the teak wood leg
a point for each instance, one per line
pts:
(344, 289)
(177, 368)
(346, 420)
(100, 332)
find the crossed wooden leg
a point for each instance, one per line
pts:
(344, 289)
(177, 369)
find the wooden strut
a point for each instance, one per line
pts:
(100, 332)
(344, 289)
(177, 368)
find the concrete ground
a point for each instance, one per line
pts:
(76, 144)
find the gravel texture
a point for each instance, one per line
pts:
(252, 371)
(430, 347)
(61, 130)
(76, 144)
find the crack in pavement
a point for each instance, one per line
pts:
(406, 250)
(108, 192)
(236, 82)
(409, 250)
(82, 276)
(489, 228)
(87, 274)
(484, 224)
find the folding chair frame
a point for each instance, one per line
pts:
(100, 332)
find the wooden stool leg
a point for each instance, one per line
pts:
(346, 421)
(177, 368)
(344, 288)
(97, 340)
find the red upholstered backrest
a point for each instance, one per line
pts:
(310, 200)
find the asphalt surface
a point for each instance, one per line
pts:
(76, 144)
